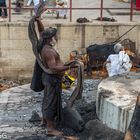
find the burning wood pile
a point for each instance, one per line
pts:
(95, 55)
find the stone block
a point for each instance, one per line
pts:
(116, 99)
(94, 34)
(133, 34)
(66, 32)
(18, 32)
(4, 32)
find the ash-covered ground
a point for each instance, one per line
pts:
(13, 83)
(94, 129)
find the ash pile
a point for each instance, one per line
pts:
(94, 129)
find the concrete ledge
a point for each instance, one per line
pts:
(24, 24)
(116, 98)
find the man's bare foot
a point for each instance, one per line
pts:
(54, 132)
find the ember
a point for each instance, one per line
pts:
(7, 83)
(3, 87)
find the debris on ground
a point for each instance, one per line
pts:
(82, 20)
(17, 121)
(35, 117)
(7, 83)
(106, 19)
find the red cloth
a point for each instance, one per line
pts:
(137, 4)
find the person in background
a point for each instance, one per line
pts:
(118, 63)
(61, 12)
(3, 11)
(36, 4)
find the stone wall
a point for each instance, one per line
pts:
(16, 57)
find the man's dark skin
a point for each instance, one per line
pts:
(51, 60)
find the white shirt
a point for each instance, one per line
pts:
(65, 1)
(113, 65)
(62, 12)
(119, 64)
(124, 61)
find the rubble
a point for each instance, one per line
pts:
(16, 113)
(7, 83)
(35, 117)
(97, 131)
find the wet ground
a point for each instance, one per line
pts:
(17, 104)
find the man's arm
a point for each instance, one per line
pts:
(39, 25)
(53, 66)
(107, 61)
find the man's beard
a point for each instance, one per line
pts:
(53, 42)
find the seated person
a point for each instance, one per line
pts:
(61, 4)
(118, 63)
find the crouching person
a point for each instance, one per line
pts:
(61, 12)
(118, 63)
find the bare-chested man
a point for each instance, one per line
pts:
(51, 107)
